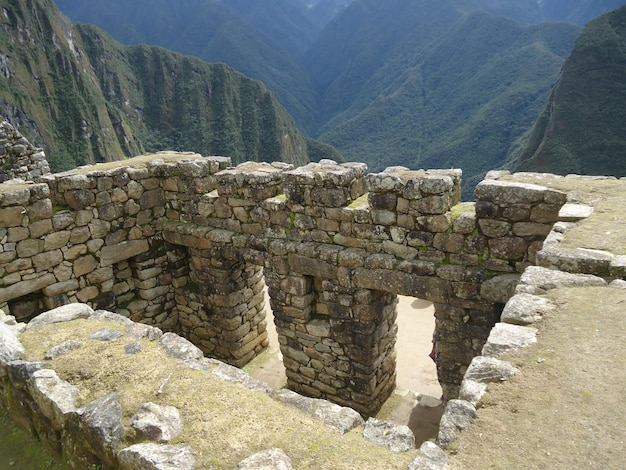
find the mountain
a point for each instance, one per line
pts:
(322, 12)
(431, 86)
(262, 40)
(409, 82)
(577, 12)
(581, 129)
(86, 98)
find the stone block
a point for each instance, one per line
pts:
(494, 228)
(312, 267)
(40, 210)
(457, 416)
(383, 217)
(435, 223)
(516, 214)
(84, 265)
(500, 288)
(116, 253)
(28, 248)
(40, 228)
(12, 216)
(506, 337)
(545, 213)
(100, 275)
(449, 242)
(99, 228)
(63, 219)
(508, 248)
(87, 294)
(399, 250)
(531, 229)
(396, 438)
(55, 397)
(17, 234)
(574, 212)
(102, 199)
(508, 193)
(110, 212)
(152, 198)
(80, 199)
(15, 197)
(47, 260)
(383, 201)
(434, 204)
(83, 217)
(56, 240)
(61, 288)
(576, 260)
(423, 287)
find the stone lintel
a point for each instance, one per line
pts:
(423, 287)
(23, 288)
(121, 251)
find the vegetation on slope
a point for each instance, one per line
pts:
(409, 82)
(228, 31)
(87, 98)
(466, 101)
(581, 129)
(401, 82)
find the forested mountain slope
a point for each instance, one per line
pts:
(259, 39)
(87, 98)
(582, 128)
(411, 82)
(459, 93)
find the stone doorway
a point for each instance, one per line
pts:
(415, 370)
(415, 401)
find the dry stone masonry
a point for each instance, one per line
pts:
(113, 430)
(187, 244)
(19, 159)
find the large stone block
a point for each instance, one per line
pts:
(80, 199)
(12, 216)
(116, 253)
(423, 287)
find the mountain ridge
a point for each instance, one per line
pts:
(585, 113)
(87, 98)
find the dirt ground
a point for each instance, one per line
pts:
(415, 401)
(564, 409)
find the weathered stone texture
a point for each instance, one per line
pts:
(189, 243)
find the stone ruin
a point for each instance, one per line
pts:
(187, 244)
(19, 159)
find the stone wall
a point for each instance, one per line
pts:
(45, 386)
(18, 157)
(187, 244)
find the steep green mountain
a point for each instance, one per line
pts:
(459, 93)
(581, 129)
(286, 22)
(404, 82)
(219, 31)
(87, 98)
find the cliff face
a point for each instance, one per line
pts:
(581, 129)
(86, 98)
